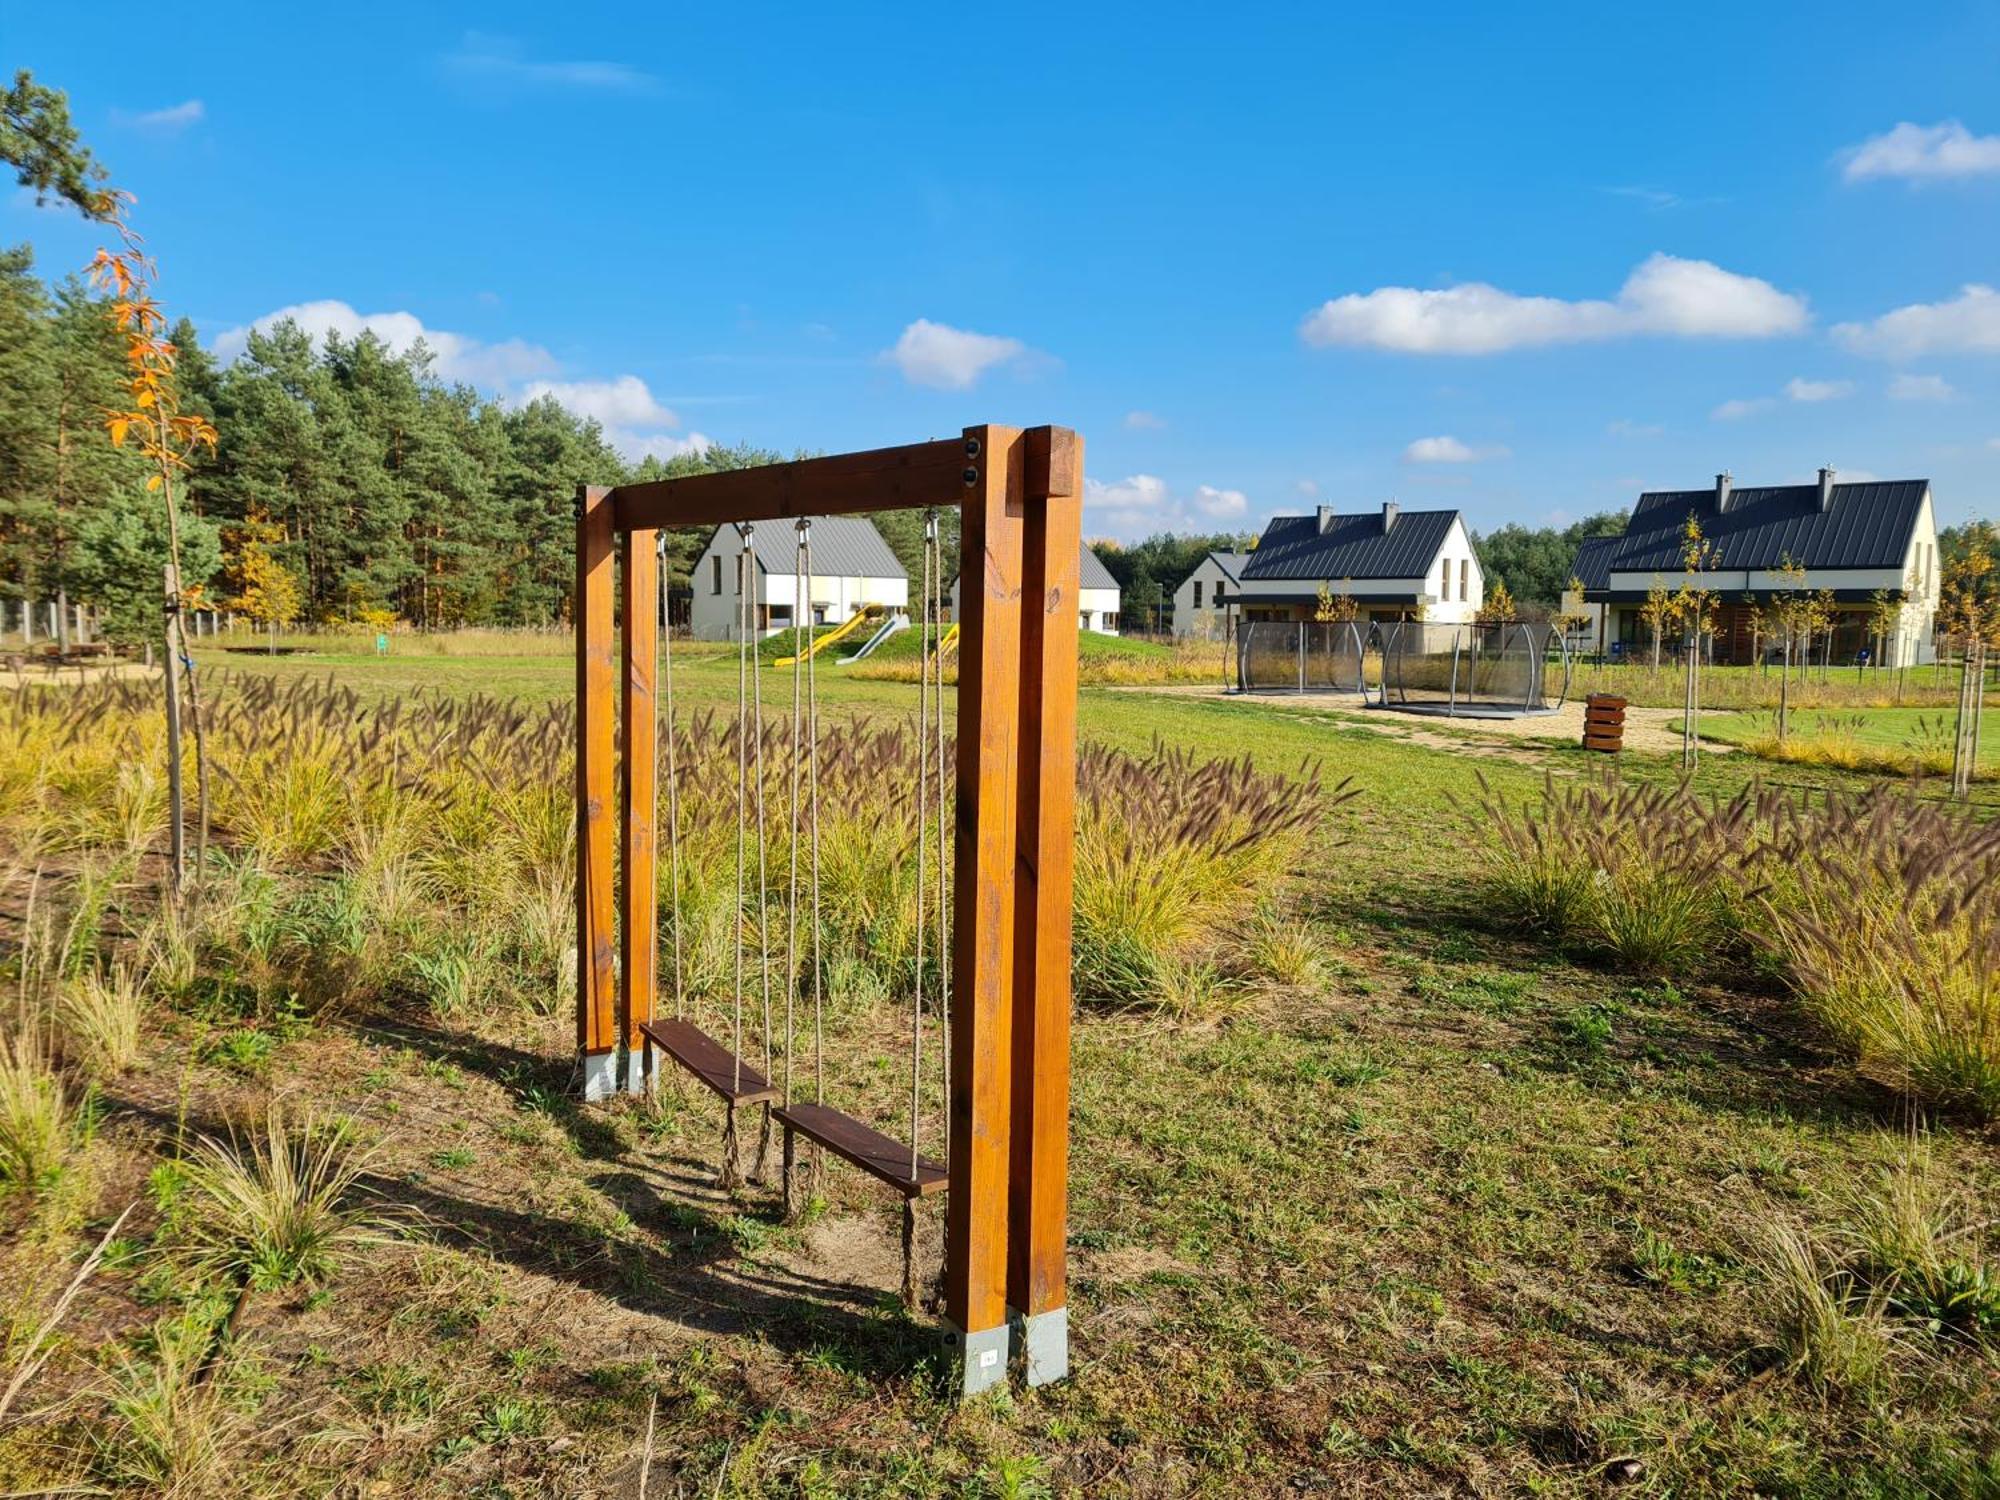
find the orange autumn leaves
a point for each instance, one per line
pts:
(163, 433)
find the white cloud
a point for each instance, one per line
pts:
(169, 121)
(1143, 504)
(1798, 389)
(1144, 421)
(1921, 388)
(635, 422)
(1968, 324)
(1448, 450)
(1625, 428)
(1735, 411)
(1307, 487)
(1221, 505)
(623, 402)
(1920, 153)
(1665, 295)
(457, 356)
(947, 358)
(1994, 444)
(483, 57)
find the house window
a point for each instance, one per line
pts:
(1464, 579)
(1110, 622)
(1197, 593)
(715, 585)
(1218, 595)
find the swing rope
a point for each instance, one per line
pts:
(673, 788)
(763, 912)
(732, 1174)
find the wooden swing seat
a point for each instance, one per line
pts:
(866, 1147)
(710, 1062)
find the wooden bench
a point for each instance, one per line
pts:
(711, 1062)
(876, 1154)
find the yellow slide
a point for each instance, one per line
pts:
(820, 642)
(948, 642)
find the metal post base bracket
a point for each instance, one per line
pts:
(608, 1073)
(1044, 1344)
(981, 1357)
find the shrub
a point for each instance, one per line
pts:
(1915, 1237)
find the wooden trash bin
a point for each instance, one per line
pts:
(1604, 723)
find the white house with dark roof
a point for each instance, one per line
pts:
(1203, 601)
(852, 569)
(1097, 596)
(1872, 546)
(1395, 564)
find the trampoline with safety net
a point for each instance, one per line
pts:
(1493, 670)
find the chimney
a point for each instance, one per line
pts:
(1723, 484)
(1825, 490)
(1325, 519)
(1390, 510)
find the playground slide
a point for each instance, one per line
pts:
(949, 642)
(820, 642)
(890, 626)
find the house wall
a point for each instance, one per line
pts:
(1457, 599)
(1097, 609)
(833, 598)
(1205, 619)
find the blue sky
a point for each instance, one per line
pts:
(1262, 257)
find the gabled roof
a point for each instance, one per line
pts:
(1593, 561)
(1231, 564)
(842, 547)
(1864, 526)
(1350, 547)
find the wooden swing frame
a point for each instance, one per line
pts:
(1019, 496)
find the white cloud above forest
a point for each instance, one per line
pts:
(1140, 505)
(635, 421)
(1449, 450)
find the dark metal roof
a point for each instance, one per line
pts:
(842, 547)
(1864, 526)
(1092, 574)
(1294, 547)
(1593, 561)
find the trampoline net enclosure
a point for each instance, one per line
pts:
(1475, 670)
(1492, 670)
(1299, 656)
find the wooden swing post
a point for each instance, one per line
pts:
(1019, 497)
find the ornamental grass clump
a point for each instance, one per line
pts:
(1652, 878)
(1887, 922)
(1173, 858)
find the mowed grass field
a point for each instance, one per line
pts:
(1444, 1213)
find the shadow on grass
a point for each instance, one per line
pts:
(694, 1260)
